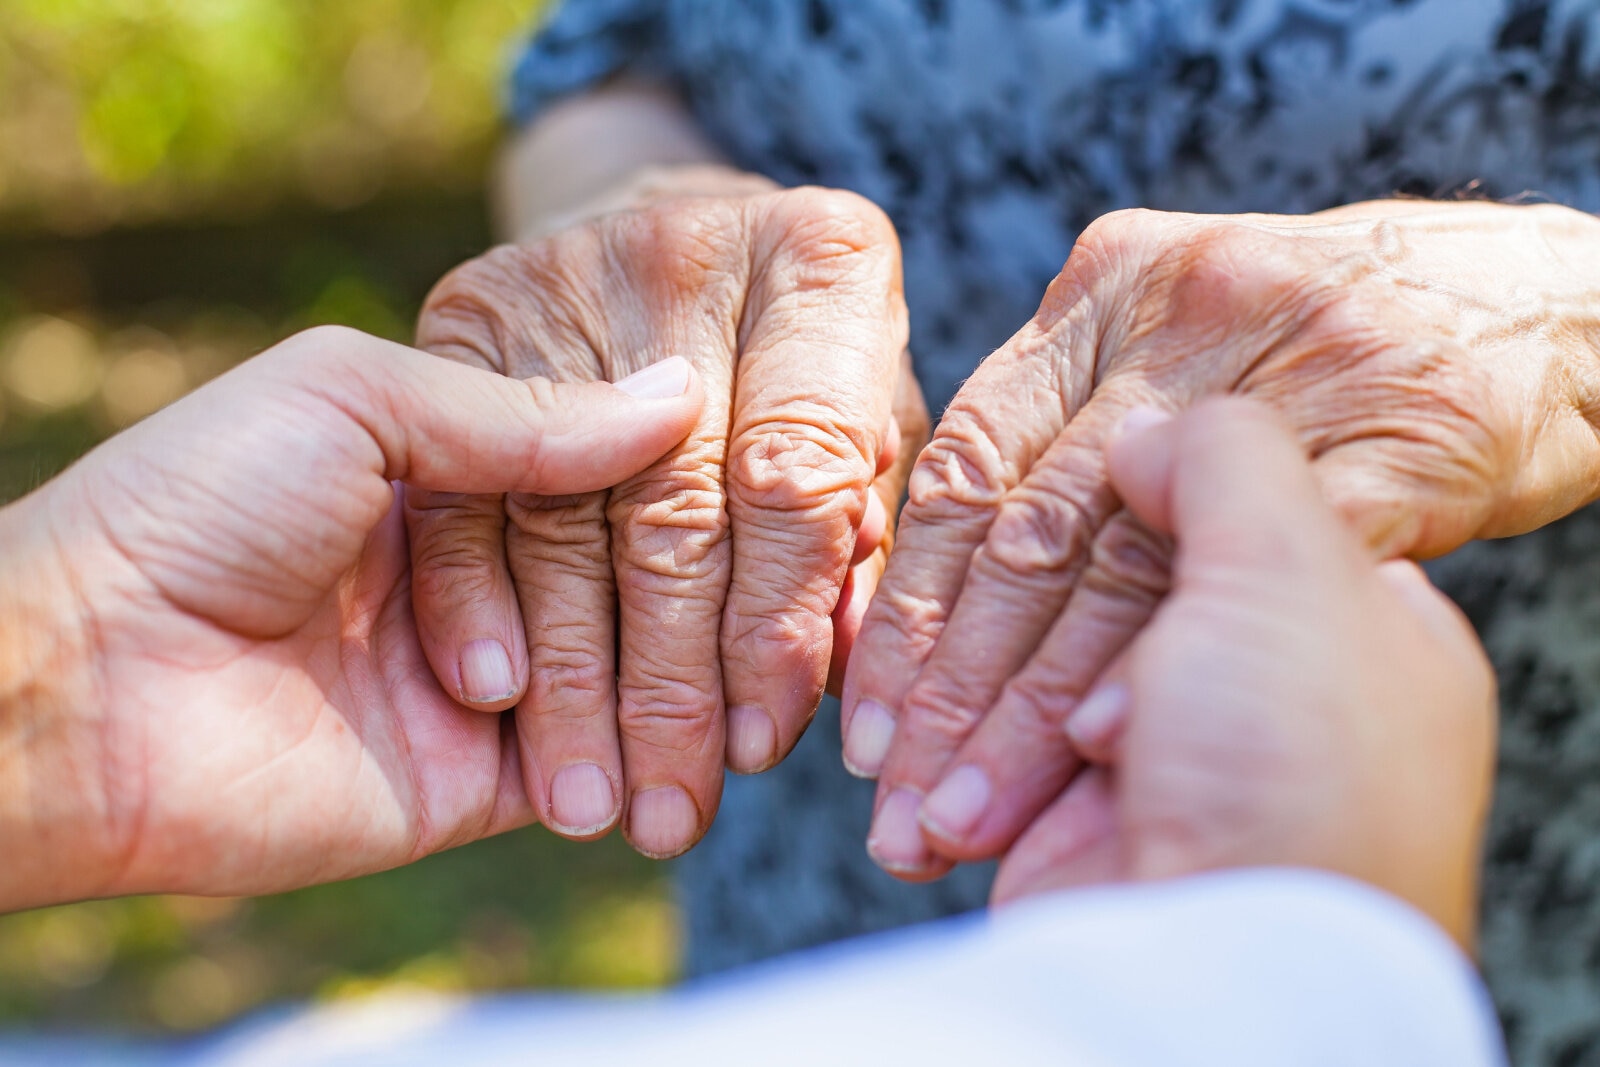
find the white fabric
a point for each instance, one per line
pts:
(1244, 969)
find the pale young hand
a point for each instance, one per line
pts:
(1293, 702)
(212, 681)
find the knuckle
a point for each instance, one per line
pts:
(669, 716)
(1109, 241)
(825, 222)
(1037, 533)
(1127, 560)
(457, 572)
(572, 684)
(800, 465)
(960, 471)
(674, 526)
(569, 521)
(1116, 229)
(1041, 697)
(834, 245)
(455, 535)
(689, 245)
(932, 711)
(434, 509)
(468, 315)
(796, 644)
(910, 624)
(1228, 280)
(323, 354)
(517, 310)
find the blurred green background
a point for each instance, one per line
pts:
(182, 182)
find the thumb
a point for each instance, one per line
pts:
(1229, 482)
(441, 425)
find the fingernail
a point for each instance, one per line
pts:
(953, 809)
(895, 842)
(582, 801)
(486, 676)
(659, 381)
(866, 746)
(752, 739)
(1140, 419)
(662, 821)
(1095, 725)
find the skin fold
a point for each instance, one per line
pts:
(688, 618)
(1435, 360)
(215, 684)
(640, 697)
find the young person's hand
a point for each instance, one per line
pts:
(212, 681)
(1293, 701)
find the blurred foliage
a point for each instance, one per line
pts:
(525, 909)
(128, 111)
(183, 182)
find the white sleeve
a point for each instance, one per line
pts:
(1241, 969)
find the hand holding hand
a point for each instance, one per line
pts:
(212, 681)
(1292, 702)
(1434, 359)
(688, 617)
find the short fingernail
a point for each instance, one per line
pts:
(866, 746)
(582, 801)
(659, 381)
(1096, 723)
(953, 809)
(895, 842)
(752, 739)
(1141, 418)
(662, 822)
(486, 676)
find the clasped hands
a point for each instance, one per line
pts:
(334, 693)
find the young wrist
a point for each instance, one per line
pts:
(52, 789)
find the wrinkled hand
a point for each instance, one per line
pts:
(1293, 702)
(1437, 362)
(730, 574)
(212, 681)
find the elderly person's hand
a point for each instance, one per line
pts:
(211, 680)
(687, 618)
(1437, 361)
(1293, 702)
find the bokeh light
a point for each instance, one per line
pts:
(50, 364)
(128, 111)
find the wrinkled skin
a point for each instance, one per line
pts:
(689, 617)
(1293, 702)
(212, 681)
(1437, 362)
